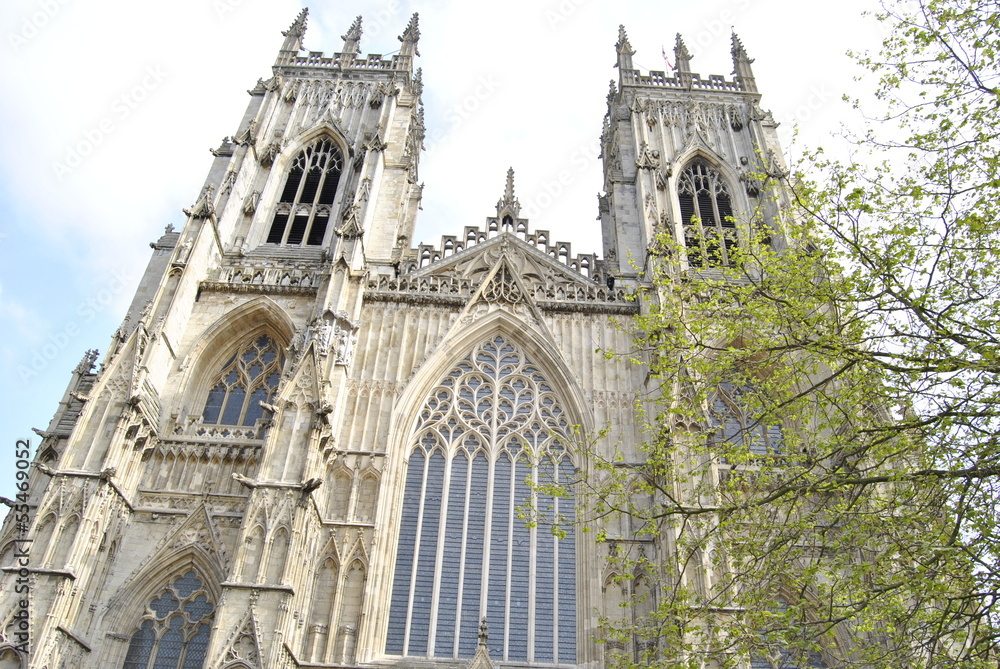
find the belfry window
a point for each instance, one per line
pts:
(706, 216)
(304, 208)
(173, 632)
(733, 422)
(487, 516)
(248, 378)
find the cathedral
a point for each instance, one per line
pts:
(317, 442)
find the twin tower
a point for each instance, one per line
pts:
(313, 443)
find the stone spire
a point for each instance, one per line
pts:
(508, 204)
(741, 66)
(682, 60)
(352, 39)
(293, 36)
(624, 49)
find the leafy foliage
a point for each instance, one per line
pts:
(821, 480)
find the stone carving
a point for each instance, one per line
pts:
(351, 228)
(250, 202)
(269, 153)
(503, 288)
(86, 365)
(204, 207)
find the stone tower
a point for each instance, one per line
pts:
(312, 443)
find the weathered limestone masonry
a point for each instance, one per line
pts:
(307, 443)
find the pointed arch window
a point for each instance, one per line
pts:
(248, 378)
(479, 537)
(780, 656)
(173, 631)
(706, 215)
(303, 211)
(734, 423)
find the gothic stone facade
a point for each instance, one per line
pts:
(310, 441)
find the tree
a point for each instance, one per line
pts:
(823, 467)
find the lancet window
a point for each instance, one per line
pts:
(736, 424)
(485, 531)
(173, 631)
(706, 215)
(248, 378)
(304, 208)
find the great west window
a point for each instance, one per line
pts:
(486, 514)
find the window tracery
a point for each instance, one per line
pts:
(248, 378)
(734, 423)
(706, 216)
(479, 537)
(173, 632)
(304, 208)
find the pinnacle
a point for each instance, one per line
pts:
(412, 32)
(508, 201)
(680, 49)
(622, 45)
(739, 53)
(354, 32)
(298, 27)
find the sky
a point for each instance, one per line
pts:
(109, 109)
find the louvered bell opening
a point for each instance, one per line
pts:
(291, 185)
(725, 211)
(687, 208)
(317, 231)
(329, 187)
(713, 250)
(313, 178)
(705, 209)
(298, 230)
(277, 229)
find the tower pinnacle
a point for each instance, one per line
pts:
(411, 35)
(741, 65)
(624, 49)
(682, 58)
(298, 27)
(352, 38)
(293, 36)
(508, 204)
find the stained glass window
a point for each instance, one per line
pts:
(303, 211)
(247, 378)
(173, 632)
(706, 216)
(486, 525)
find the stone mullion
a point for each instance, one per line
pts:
(439, 549)
(416, 554)
(461, 563)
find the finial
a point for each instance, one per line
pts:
(739, 53)
(612, 92)
(508, 204)
(298, 27)
(484, 632)
(354, 32)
